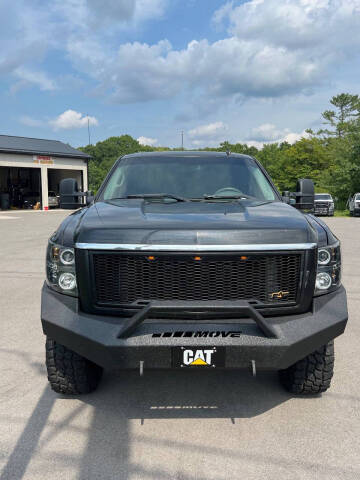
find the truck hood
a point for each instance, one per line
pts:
(192, 223)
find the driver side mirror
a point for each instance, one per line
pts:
(70, 197)
(89, 198)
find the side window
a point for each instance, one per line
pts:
(116, 181)
(262, 182)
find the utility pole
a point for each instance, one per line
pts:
(182, 139)
(88, 123)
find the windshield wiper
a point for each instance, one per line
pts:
(227, 197)
(152, 196)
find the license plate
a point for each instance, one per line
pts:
(200, 357)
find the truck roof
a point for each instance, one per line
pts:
(187, 153)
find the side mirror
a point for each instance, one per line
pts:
(70, 197)
(286, 196)
(305, 195)
(89, 198)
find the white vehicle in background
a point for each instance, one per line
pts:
(324, 204)
(53, 199)
(354, 205)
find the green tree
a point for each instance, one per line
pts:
(307, 158)
(341, 120)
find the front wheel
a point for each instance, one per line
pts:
(68, 372)
(312, 374)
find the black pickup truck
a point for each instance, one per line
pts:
(192, 260)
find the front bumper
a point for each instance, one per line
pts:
(96, 337)
(322, 210)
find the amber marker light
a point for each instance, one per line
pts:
(243, 258)
(197, 259)
(55, 253)
(151, 258)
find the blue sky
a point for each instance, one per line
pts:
(250, 71)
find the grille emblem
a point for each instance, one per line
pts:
(278, 295)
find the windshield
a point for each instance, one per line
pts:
(357, 197)
(188, 176)
(322, 196)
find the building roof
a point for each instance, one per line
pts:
(38, 146)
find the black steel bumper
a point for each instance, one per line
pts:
(274, 343)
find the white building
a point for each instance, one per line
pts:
(30, 168)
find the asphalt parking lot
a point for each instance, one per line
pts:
(165, 425)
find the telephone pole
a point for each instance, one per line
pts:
(182, 139)
(88, 125)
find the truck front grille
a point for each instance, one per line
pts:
(123, 277)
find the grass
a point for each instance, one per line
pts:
(341, 213)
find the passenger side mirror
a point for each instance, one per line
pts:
(305, 195)
(303, 198)
(70, 197)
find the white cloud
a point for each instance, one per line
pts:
(292, 137)
(28, 31)
(99, 14)
(141, 72)
(71, 119)
(269, 133)
(209, 135)
(29, 78)
(271, 49)
(295, 24)
(147, 141)
(211, 130)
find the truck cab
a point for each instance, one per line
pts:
(192, 260)
(324, 204)
(354, 205)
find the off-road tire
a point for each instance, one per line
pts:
(312, 374)
(68, 372)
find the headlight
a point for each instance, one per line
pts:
(60, 269)
(328, 277)
(323, 281)
(67, 256)
(324, 256)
